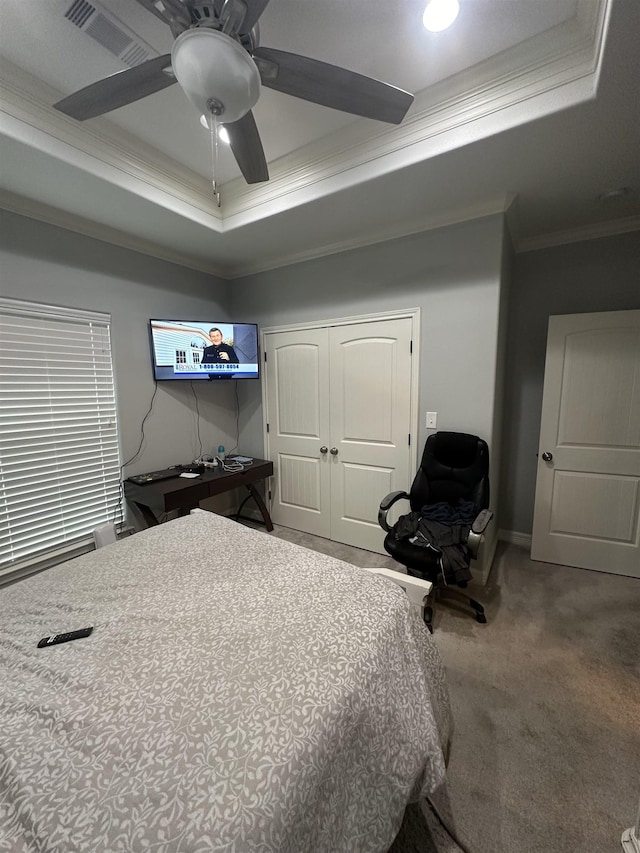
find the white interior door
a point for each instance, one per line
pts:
(298, 423)
(370, 425)
(339, 418)
(587, 507)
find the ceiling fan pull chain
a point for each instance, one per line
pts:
(213, 126)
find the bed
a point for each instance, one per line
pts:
(238, 693)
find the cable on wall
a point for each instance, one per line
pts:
(235, 446)
(133, 458)
(195, 396)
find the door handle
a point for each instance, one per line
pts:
(548, 457)
(323, 449)
(334, 451)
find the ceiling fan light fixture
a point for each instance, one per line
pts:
(217, 74)
(440, 14)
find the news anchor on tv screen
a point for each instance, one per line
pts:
(189, 350)
(218, 351)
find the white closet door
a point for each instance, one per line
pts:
(587, 507)
(370, 425)
(346, 389)
(298, 417)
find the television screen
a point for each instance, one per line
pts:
(210, 350)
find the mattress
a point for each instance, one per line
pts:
(238, 693)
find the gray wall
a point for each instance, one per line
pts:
(42, 263)
(452, 275)
(595, 275)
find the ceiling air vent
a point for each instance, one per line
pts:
(110, 32)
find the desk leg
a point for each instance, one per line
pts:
(146, 513)
(255, 494)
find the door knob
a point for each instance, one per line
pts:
(323, 449)
(334, 451)
(548, 457)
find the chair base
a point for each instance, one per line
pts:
(458, 595)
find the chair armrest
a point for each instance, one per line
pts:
(386, 504)
(476, 533)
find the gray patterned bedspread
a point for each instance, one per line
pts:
(238, 693)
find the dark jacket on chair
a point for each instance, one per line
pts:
(443, 528)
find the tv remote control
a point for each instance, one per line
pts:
(54, 639)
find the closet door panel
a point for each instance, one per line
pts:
(297, 394)
(370, 393)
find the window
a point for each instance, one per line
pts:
(59, 457)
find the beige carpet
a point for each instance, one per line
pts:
(546, 700)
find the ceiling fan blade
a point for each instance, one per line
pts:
(331, 85)
(119, 89)
(172, 12)
(255, 8)
(247, 149)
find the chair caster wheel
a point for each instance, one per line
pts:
(480, 617)
(428, 617)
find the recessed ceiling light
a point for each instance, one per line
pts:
(440, 14)
(223, 134)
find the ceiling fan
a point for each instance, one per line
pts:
(217, 60)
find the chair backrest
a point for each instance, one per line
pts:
(454, 466)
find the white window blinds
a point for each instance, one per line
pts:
(59, 457)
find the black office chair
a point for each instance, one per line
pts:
(449, 501)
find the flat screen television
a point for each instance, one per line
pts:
(183, 349)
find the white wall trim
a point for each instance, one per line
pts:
(33, 209)
(552, 61)
(409, 313)
(101, 148)
(548, 62)
(412, 313)
(391, 231)
(61, 555)
(576, 235)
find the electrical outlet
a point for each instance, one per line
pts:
(432, 420)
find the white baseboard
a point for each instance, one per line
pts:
(515, 538)
(630, 842)
(630, 837)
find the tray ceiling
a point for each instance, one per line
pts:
(141, 175)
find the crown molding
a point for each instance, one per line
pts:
(52, 216)
(87, 228)
(478, 98)
(545, 73)
(393, 232)
(547, 63)
(109, 153)
(594, 231)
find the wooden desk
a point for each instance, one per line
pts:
(153, 499)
